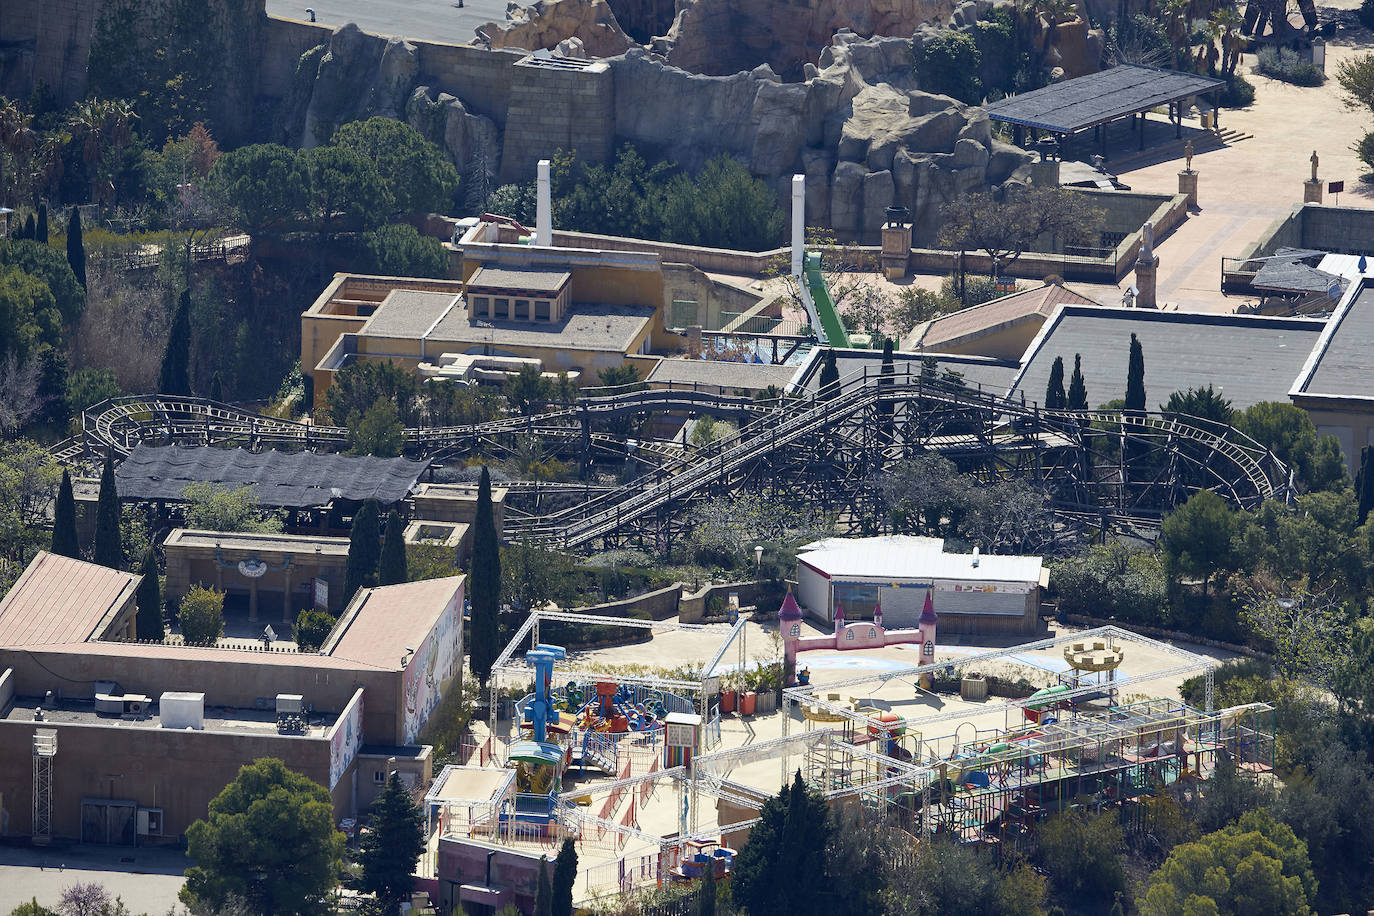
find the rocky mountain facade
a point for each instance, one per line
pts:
(858, 126)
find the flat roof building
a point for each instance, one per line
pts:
(972, 592)
(148, 733)
(1336, 383)
(1247, 358)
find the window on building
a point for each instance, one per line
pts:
(848, 634)
(796, 629)
(872, 633)
(858, 600)
(522, 309)
(501, 307)
(541, 309)
(481, 305)
(379, 776)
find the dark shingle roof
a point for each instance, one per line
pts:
(287, 480)
(1247, 358)
(1294, 270)
(1082, 102)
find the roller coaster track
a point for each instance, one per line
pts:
(1093, 464)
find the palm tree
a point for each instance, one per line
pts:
(1228, 21)
(100, 125)
(1056, 13)
(17, 139)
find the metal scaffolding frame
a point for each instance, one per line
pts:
(44, 755)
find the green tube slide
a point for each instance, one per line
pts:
(831, 325)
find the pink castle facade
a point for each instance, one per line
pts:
(849, 636)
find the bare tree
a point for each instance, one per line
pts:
(19, 398)
(1005, 228)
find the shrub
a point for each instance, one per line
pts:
(1238, 92)
(202, 615)
(1364, 150)
(1366, 14)
(312, 629)
(1284, 64)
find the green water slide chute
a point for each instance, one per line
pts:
(831, 325)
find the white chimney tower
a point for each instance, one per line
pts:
(543, 220)
(798, 223)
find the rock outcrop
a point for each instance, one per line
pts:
(546, 23)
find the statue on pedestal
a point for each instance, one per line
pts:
(1314, 165)
(1188, 156)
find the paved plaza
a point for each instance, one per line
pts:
(428, 20)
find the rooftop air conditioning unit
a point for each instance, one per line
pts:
(106, 704)
(135, 705)
(289, 704)
(182, 710)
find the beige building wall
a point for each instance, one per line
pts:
(194, 558)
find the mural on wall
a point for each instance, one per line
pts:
(433, 664)
(346, 739)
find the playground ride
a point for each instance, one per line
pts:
(1085, 657)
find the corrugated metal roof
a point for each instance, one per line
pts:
(1098, 97)
(380, 623)
(898, 556)
(61, 600)
(1247, 358)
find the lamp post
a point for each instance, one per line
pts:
(758, 558)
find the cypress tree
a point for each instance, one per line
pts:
(706, 902)
(30, 229)
(42, 233)
(830, 377)
(885, 374)
(1135, 377)
(392, 568)
(217, 386)
(543, 894)
(76, 248)
(1054, 391)
(1364, 482)
(176, 359)
(364, 550)
(149, 600)
(485, 583)
(564, 877)
(64, 540)
(109, 546)
(1078, 391)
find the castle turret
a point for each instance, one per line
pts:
(839, 618)
(878, 615)
(927, 623)
(789, 627)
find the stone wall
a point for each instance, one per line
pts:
(555, 106)
(47, 41)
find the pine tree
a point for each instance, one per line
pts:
(392, 568)
(176, 359)
(364, 550)
(543, 895)
(393, 846)
(885, 373)
(485, 583)
(76, 248)
(30, 229)
(564, 877)
(1078, 391)
(42, 229)
(109, 546)
(64, 540)
(149, 600)
(217, 386)
(1135, 377)
(830, 377)
(1054, 391)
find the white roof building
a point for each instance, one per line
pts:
(896, 571)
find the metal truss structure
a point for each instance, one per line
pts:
(1099, 468)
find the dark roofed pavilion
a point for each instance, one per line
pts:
(1097, 99)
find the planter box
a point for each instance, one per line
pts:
(727, 701)
(766, 702)
(973, 688)
(747, 701)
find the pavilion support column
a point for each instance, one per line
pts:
(1142, 130)
(252, 600)
(1178, 120)
(286, 596)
